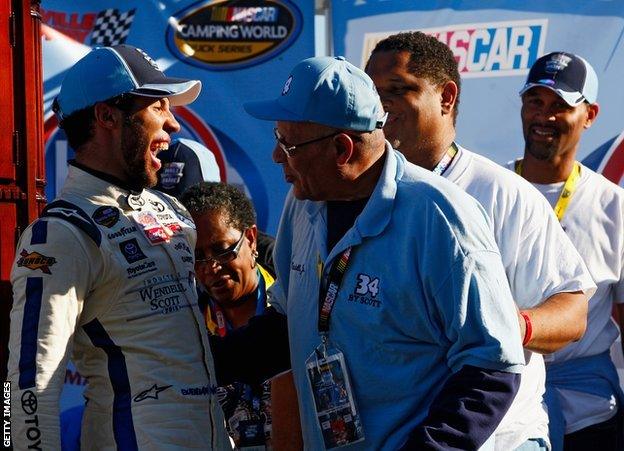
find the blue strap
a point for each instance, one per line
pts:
(30, 331)
(123, 425)
(74, 214)
(595, 375)
(261, 301)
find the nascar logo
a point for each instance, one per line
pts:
(226, 35)
(490, 49)
(234, 14)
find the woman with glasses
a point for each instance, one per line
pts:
(232, 290)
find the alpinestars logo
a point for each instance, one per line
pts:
(151, 392)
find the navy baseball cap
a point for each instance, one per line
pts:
(328, 91)
(107, 72)
(569, 75)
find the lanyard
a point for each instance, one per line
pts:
(568, 188)
(223, 326)
(328, 296)
(446, 160)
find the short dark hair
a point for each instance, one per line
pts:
(79, 125)
(429, 58)
(217, 196)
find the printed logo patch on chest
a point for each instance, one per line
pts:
(135, 201)
(131, 250)
(106, 216)
(366, 291)
(157, 205)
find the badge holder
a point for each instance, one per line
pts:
(334, 402)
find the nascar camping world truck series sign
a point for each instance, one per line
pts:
(233, 34)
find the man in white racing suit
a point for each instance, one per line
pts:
(105, 276)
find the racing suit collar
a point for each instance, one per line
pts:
(133, 189)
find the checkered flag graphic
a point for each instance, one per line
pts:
(111, 27)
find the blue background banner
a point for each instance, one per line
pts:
(495, 43)
(241, 50)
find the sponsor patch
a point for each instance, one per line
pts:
(174, 228)
(140, 269)
(131, 250)
(35, 260)
(106, 216)
(135, 201)
(164, 299)
(158, 206)
(199, 391)
(154, 231)
(182, 246)
(29, 402)
(151, 392)
(233, 34)
(121, 232)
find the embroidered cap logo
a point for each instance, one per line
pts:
(557, 63)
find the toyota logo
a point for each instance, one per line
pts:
(29, 402)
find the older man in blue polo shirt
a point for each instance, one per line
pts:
(403, 331)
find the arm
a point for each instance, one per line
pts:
(485, 356)
(467, 410)
(286, 426)
(559, 320)
(48, 293)
(549, 281)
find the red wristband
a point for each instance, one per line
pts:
(528, 328)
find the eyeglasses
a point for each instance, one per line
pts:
(288, 150)
(224, 257)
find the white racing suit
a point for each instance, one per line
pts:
(88, 283)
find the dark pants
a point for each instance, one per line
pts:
(605, 436)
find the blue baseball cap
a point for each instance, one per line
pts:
(568, 75)
(328, 91)
(107, 72)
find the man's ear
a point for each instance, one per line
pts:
(592, 113)
(106, 116)
(344, 148)
(448, 97)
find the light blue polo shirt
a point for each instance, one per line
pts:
(440, 301)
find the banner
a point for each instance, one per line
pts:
(240, 49)
(495, 44)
